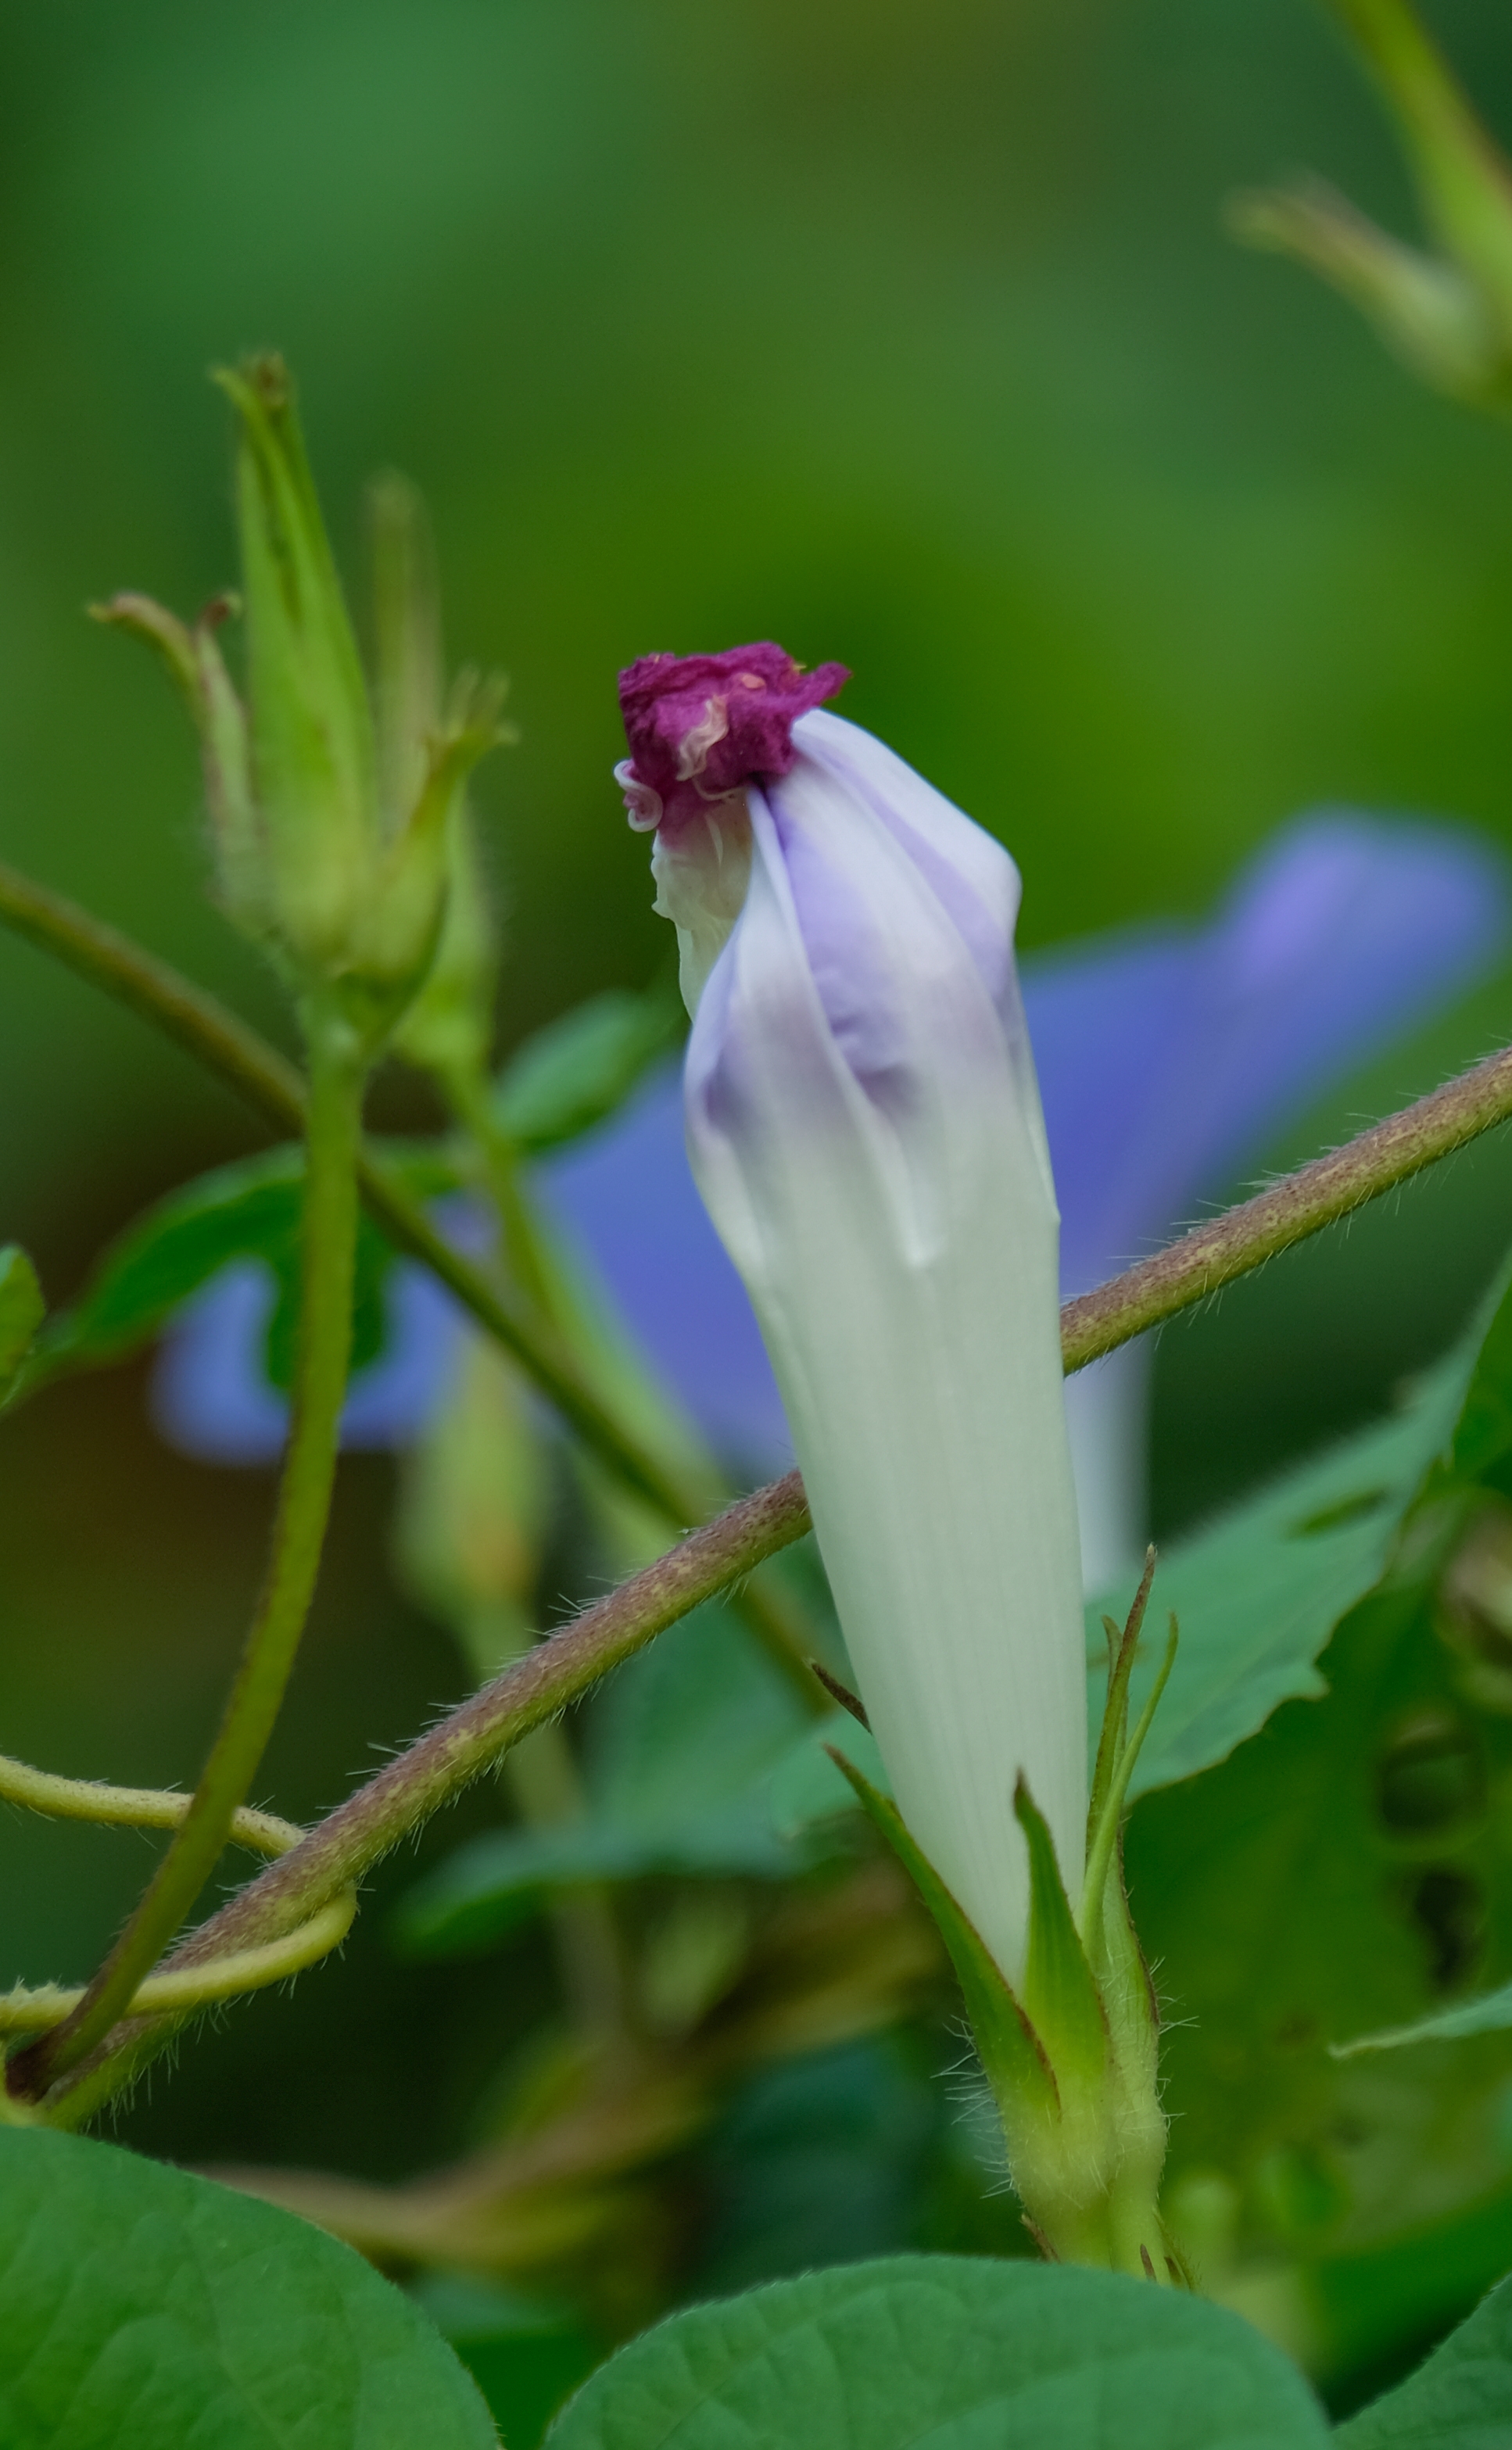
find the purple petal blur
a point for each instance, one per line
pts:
(1169, 1057)
(210, 1396)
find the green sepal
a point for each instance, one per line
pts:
(1105, 1817)
(1012, 2053)
(1061, 1995)
(1123, 1647)
(313, 757)
(194, 664)
(22, 1311)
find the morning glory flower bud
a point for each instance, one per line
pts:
(863, 1123)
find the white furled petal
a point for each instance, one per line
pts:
(702, 871)
(864, 1126)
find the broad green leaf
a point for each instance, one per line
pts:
(22, 1311)
(955, 2355)
(576, 1070)
(1308, 1889)
(1259, 1592)
(1459, 2400)
(146, 2309)
(679, 1751)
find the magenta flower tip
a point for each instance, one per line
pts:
(700, 726)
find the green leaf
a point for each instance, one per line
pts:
(146, 2309)
(1259, 1592)
(1061, 1997)
(579, 1069)
(1459, 2400)
(22, 1311)
(958, 2355)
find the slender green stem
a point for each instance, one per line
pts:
(780, 1626)
(464, 1744)
(132, 1807)
(329, 1243)
(27, 2011)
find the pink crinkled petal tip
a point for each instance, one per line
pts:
(700, 726)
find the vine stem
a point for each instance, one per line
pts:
(473, 1737)
(328, 1247)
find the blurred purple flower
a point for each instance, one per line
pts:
(1166, 1055)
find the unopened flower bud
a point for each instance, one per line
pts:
(864, 1126)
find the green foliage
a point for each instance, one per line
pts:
(1347, 1873)
(1010, 2050)
(955, 2353)
(575, 1071)
(1459, 2400)
(249, 1210)
(146, 2309)
(22, 1311)
(1258, 1593)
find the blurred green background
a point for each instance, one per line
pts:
(902, 334)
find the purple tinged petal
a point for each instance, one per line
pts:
(869, 1142)
(626, 1195)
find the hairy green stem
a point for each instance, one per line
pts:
(24, 2009)
(1214, 1255)
(132, 1807)
(327, 1265)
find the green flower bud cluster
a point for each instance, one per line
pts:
(336, 816)
(1446, 311)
